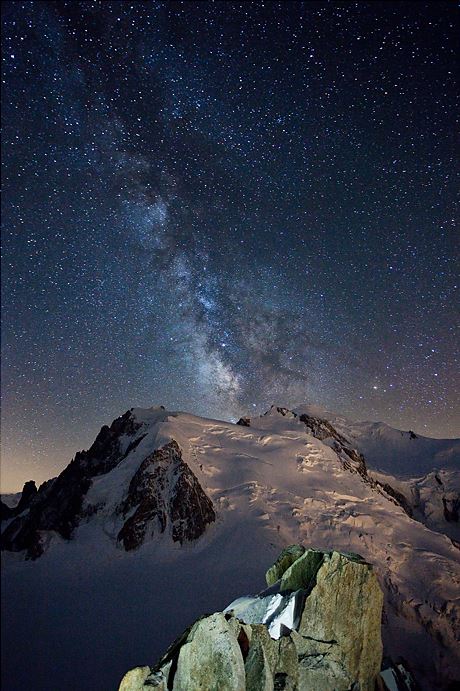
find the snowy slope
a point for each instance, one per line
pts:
(434, 499)
(87, 610)
(390, 450)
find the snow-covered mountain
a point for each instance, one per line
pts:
(169, 515)
(403, 454)
(425, 472)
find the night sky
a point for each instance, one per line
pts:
(217, 206)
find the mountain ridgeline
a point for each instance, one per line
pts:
(161, 494)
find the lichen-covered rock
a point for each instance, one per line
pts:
(211, 658)
(302, 572)
(341, 625)
(334, 645)
(260, 662)
(287, 665)
(287, 557)
(134, 679)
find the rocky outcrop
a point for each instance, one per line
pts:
(287, 557)
(322, 429)
(165, 492)
(28, 493)
(339, 633)
(280, 409)
(330, 638)
(57, 505)
(302, 572)
(244, 422)
(398, 496)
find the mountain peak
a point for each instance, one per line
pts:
(164, 491)
(175, 494)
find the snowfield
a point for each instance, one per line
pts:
(86, 611)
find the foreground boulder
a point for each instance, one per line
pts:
(339, 632)
(323, 634)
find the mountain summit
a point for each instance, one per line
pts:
(168, 514)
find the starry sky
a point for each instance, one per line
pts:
(217, 206)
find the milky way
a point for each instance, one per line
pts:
(220, 206)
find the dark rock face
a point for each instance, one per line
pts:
(399, 497)
(57, 505)
(28, 493)
(354, 461)
(451, 508)
(282, 411)
(244, 421)
(166, 493)
(6, 512)
(163, 493)
(321, 429)
(351, 459)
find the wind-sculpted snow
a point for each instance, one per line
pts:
(271, 483)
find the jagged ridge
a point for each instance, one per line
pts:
(164, 490)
